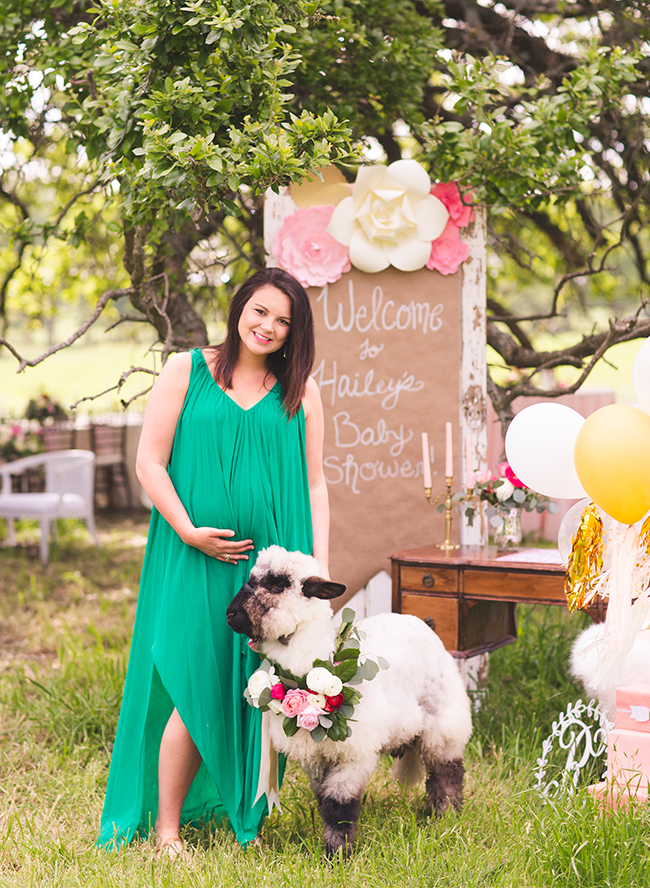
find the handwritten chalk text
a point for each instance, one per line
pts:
(344, 386)
(348, 434)
(382, 316)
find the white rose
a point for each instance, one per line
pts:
(316, 700)
(318, 679)
(334, 686)
(390, 219)
(257, 682)
(276, 707)
(505, 490)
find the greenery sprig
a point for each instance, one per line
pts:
(322, 700)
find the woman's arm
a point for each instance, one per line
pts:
(320, 510)
(161, 417)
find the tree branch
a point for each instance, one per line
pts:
(102, 302)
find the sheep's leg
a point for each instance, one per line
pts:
(339, 791)
(340, 819)
(445, 784)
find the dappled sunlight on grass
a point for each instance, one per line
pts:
(65, 629)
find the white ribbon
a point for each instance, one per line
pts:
(268, 783)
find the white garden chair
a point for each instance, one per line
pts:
(69, 485)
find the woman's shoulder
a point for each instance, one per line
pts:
(175, 375)
(311, 399)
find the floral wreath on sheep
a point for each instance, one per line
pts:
(393, 217)
(322, 700)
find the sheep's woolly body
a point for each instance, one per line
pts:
(420, 695)
(416, 707)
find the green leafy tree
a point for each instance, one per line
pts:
(182, 114)
(177, 113)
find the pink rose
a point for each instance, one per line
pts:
(294, 702)
(448, 251)
(483, 477)
(510, 475)
(501, 469)
(305, 249)
(309, 717)
(332, 703)
(278, 692)
(459, 212)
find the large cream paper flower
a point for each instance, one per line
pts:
(390, 219)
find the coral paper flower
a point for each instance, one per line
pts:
(448, 251)
(305, 249)
(390, 219)
(459, 213)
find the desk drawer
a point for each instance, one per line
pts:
(514, 586)
(443, 612)
(429, 579)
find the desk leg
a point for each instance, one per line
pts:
(474, 672)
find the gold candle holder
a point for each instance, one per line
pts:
(447, 546)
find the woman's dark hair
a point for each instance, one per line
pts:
(300, 349)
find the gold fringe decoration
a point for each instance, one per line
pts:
(644, 535)
(586, 559)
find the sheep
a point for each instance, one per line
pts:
(417, 710)
(590, 647)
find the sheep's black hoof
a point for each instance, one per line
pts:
(445, 785)
(340, 820)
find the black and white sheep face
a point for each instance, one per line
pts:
(281, 594)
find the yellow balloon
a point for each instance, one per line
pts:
(612, 460)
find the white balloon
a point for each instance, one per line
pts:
(641, 376)
(569, 528)
(539, 448)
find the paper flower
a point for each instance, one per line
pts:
(448, 251)
(390, 219)
(304, 248)
(448, 193)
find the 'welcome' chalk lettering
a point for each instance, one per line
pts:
(380, 316)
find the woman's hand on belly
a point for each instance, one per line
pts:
(218, 544)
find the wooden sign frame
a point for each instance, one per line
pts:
(360, 544)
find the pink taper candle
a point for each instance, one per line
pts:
(468, 461)
(425, 460)
(449, 461)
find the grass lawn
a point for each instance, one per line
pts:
(64, 633)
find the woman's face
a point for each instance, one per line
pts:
(265, 321)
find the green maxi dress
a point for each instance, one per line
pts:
(232, 468)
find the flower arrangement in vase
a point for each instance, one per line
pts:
(506, 496)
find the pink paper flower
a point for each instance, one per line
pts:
(459, 212)
(278, 692)
(448, 251)
(305, 249)
(309, 717)
(294, 702)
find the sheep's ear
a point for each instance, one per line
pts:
(317, 587)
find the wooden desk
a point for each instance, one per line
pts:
(470, 598)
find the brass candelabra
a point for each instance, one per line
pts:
(446, 495)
